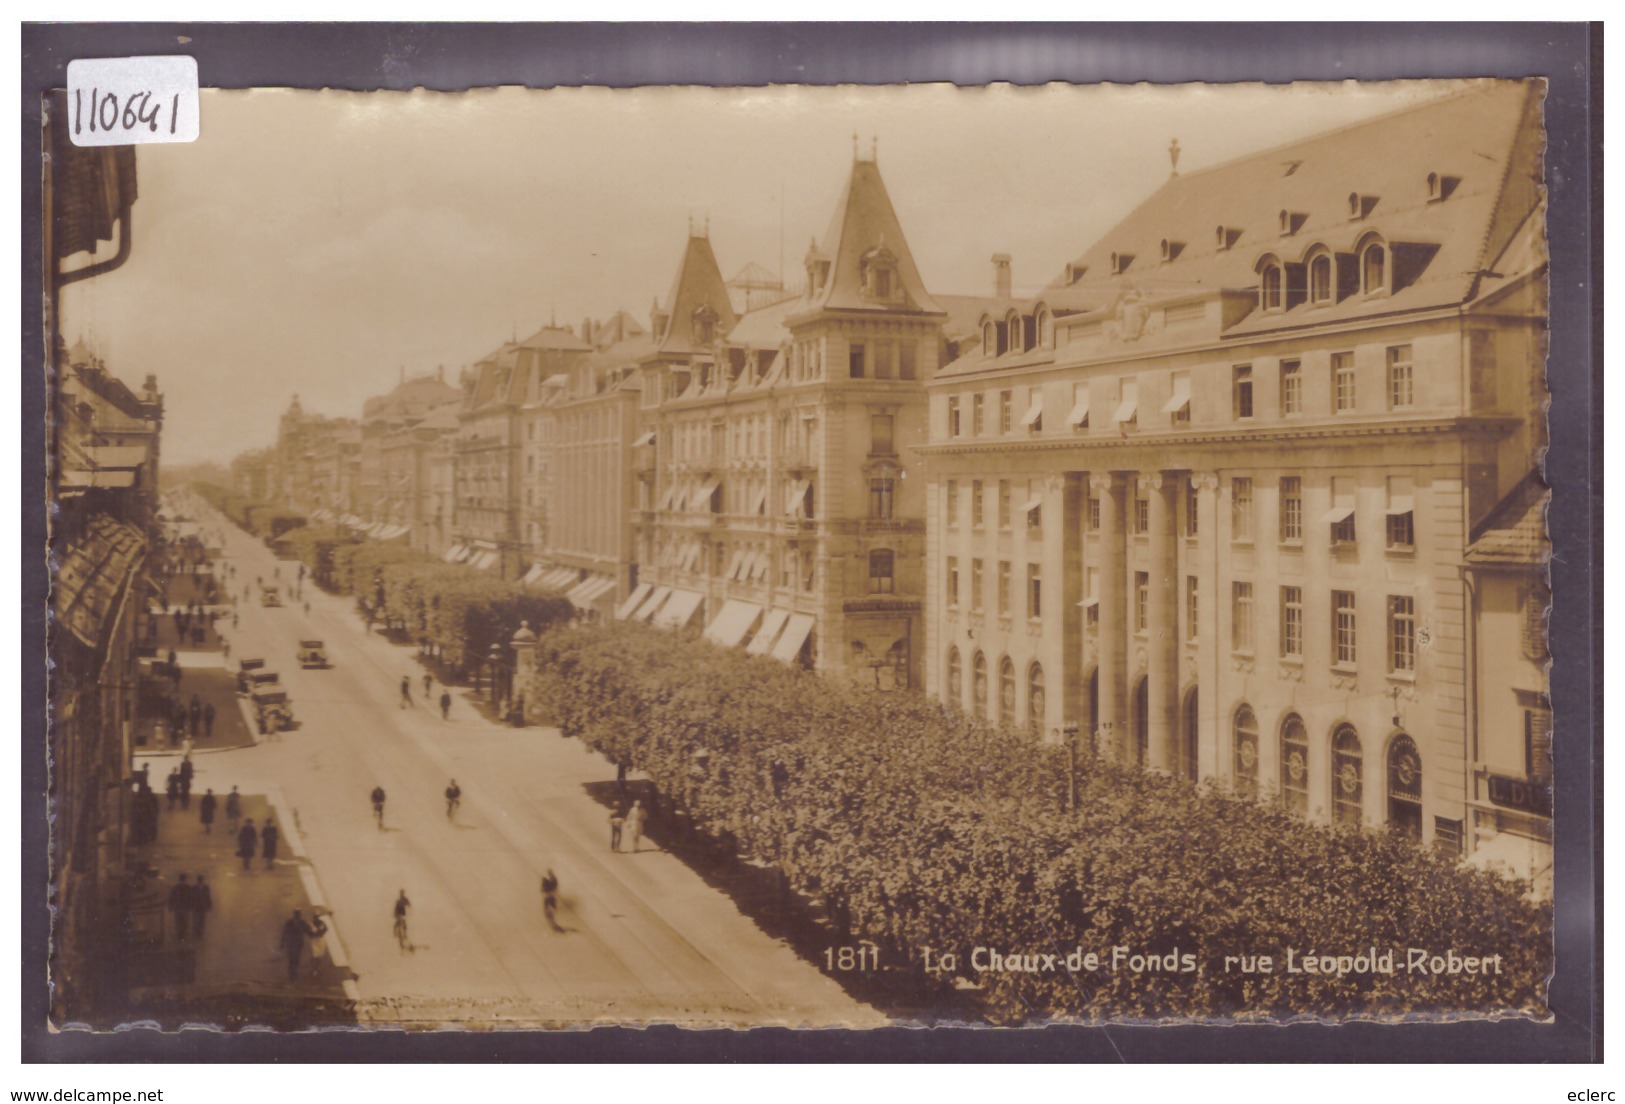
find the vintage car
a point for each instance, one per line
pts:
(272, 709)
(270, 596)
(312, 653)
(245, 668)
(263, 680)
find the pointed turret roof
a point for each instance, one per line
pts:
(698, 286)
(865, 224)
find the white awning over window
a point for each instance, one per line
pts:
(758, 503)
(1337, 514)
(603, 586)
(1090, 602)
(633, 600)
(680, 609)
(578, 592)
(1181, 398)
(484, 561)
(758, 566)
(562, 578)
(1080, 411)
(733, 623)
(1400, 504)
(1032, 504)
(1035, 409)
(793, 501)
(665, 496)
(1129, 406)
(455, 554)
(691, 558)
(535, 573)
(794, 636)
(702, 496)
(735, 564)
(653, 603)
(772, 623)
(646, 439)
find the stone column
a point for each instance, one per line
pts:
(1212, 749)
(1063, 533)
(1162, 659)
(1113, 737)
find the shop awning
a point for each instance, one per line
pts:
(1181, 398)
(654, 602)
(455, 553)
(794, 636)
(560, 578)
(530, 577)
(1080, 411)
(603, 586)
(586, 593)
(680, 609)
(484, 561)
(772, 622)
(633, 600)
(733, 623)
(1035, 409)
(82, 479)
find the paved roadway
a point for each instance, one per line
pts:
(647, 941)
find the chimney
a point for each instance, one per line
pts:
(1001, 275)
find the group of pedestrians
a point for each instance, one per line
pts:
(264, 839)
(178, 786)
(189, 905)
(428, 695)
(298, 935)
(628, 821)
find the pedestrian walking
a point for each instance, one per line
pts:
(202, 904)
(205, 812)
(550, 898)
(406, 691)
(294, 933)
(186, 782)
(269, 835)
(172, 787)
(428, 686)
(378, 806)
(180, 907)
(616, 820)
(186, 749)
(195, 712)
(445, 705)
(318, 941)
(208, 719)
(635, 816)
(247, 843)
(234, 808)
(454, 798)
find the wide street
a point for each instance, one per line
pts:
(646, 940)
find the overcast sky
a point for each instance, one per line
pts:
(320, 242)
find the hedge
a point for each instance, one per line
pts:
(921, 829)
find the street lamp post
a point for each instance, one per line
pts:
(494, 660)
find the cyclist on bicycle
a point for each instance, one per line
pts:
(378, 805)
(402, 907)
(454, 798)
(550, 898)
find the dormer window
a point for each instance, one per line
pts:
(1017, 329)
(1270, 295)
(990, 339)
(877, 272)
(1360, 205)
(1074, 272)
(1171, 249)
(1440, 187)
(1321, 284)
(1374, 268)
(1225, 236)
(1120, 263)
(1045, 327)
(1291, 222)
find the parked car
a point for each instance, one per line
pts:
(312, 653)
(270, 596)
(272, 709)
(245, 668)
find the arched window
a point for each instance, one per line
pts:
(979, 684)
(1035, 700)
(1018, 334)
(1405, 787)
(1007, 691)
(956, 678)
(1271, 293)
(1320, 279)
(1046, 330)
(1245, 732)
(1374, 268)
(1348, 784)
(990, 339)
(1295, 764)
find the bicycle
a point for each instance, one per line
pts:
(400, 931)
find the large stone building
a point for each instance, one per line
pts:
(1217, 495)
(775, 504)
(386, 485)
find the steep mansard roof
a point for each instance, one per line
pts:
(864, 220)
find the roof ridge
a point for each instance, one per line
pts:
(1501, 184)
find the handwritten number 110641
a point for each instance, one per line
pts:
(105, 111)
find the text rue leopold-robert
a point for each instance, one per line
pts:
(1289, 960)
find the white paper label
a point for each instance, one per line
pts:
(132, 101)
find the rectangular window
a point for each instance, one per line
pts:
(905, 361)
(1400, 377)
(1537, 745)
(1447, 835)
(880, 434)
(953, 504)
(953, 415)
(1004, 504)
(1192, 609)
(1178, 406)
(978, 419)
(881, 498)
(1401, 514)
(1007, 411)
(1401, 633)
(854, 360)
(1142, 601)
(1035, 593)
(1192, 509)
(952, 582)
(1004, 588)
(1241, 617)
(885, 360)
(1033, 508)
(978, 504)
(1242, 390)
(1342, 382)
(976, 584)
(882, 571)
(1291, 510)
(1292, 622)
(1142, 514)
(1291, 387)
(1094, 515)
(1241, 509)
(1343, 650)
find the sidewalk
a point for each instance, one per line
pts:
(215, 686)
(236, 972)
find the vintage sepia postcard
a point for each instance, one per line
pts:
(828, 557)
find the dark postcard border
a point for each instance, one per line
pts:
(454, 56)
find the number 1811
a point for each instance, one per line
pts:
(847, 959)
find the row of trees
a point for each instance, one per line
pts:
(922, 830)
(259, 518)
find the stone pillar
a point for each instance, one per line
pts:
(1162, 659)
(1212, 748)
(1064, 532)
(1113, 738)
